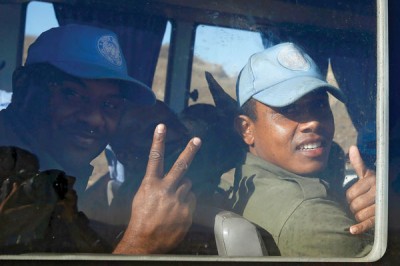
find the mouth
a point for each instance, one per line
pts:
(310, 146)
(84, 139)
(313, 149)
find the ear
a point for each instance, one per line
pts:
(245, 127)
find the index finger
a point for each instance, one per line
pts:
(155, 165)
(362, 227)
(183, 162)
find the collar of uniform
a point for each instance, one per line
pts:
(311, 186)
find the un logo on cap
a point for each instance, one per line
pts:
(293, 59)
(109, 48)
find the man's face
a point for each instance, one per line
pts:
(134, 135)
(83, 115)
(296, 137)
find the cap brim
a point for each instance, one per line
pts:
(289, 91)
(134, 90)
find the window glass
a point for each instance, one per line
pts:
(222, 52)
(40, 17)
(160, 75)
(74, 150)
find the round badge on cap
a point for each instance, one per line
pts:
(293, 59)
(109, 48)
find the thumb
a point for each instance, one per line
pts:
(357, 162)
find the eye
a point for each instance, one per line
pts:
(72, 96)
(289, 110)
(113, 105)
(110, 105)
(320, 106)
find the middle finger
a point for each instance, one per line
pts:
(182, 163)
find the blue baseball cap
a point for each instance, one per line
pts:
(280, 75)
(90, 53)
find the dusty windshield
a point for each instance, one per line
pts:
(157, 127)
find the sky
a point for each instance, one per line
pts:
(227, 47)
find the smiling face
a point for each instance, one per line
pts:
(296, 138)
(134, 135)
(83, 114)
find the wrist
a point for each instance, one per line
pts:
(133, 244)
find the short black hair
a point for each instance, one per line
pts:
(249, 109)
(31, 93)
(38, 75)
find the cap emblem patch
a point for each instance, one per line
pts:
(293, 59)
(109, 48)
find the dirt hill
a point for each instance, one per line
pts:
(197, 80)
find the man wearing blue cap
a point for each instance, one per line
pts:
(67, 101)
(287, 123)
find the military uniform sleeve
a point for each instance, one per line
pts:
(320, 228)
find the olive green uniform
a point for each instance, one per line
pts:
(297, 211)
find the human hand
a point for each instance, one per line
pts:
(361, 195)
(163, 207)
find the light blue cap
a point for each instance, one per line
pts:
(279, 76)
(90, 53)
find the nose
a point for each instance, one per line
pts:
(92, 116)
(311, 125)
(316, 121)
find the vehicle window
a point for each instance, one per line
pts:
(279, 92)
(214, 48)
(160, 75)
(40, 17)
